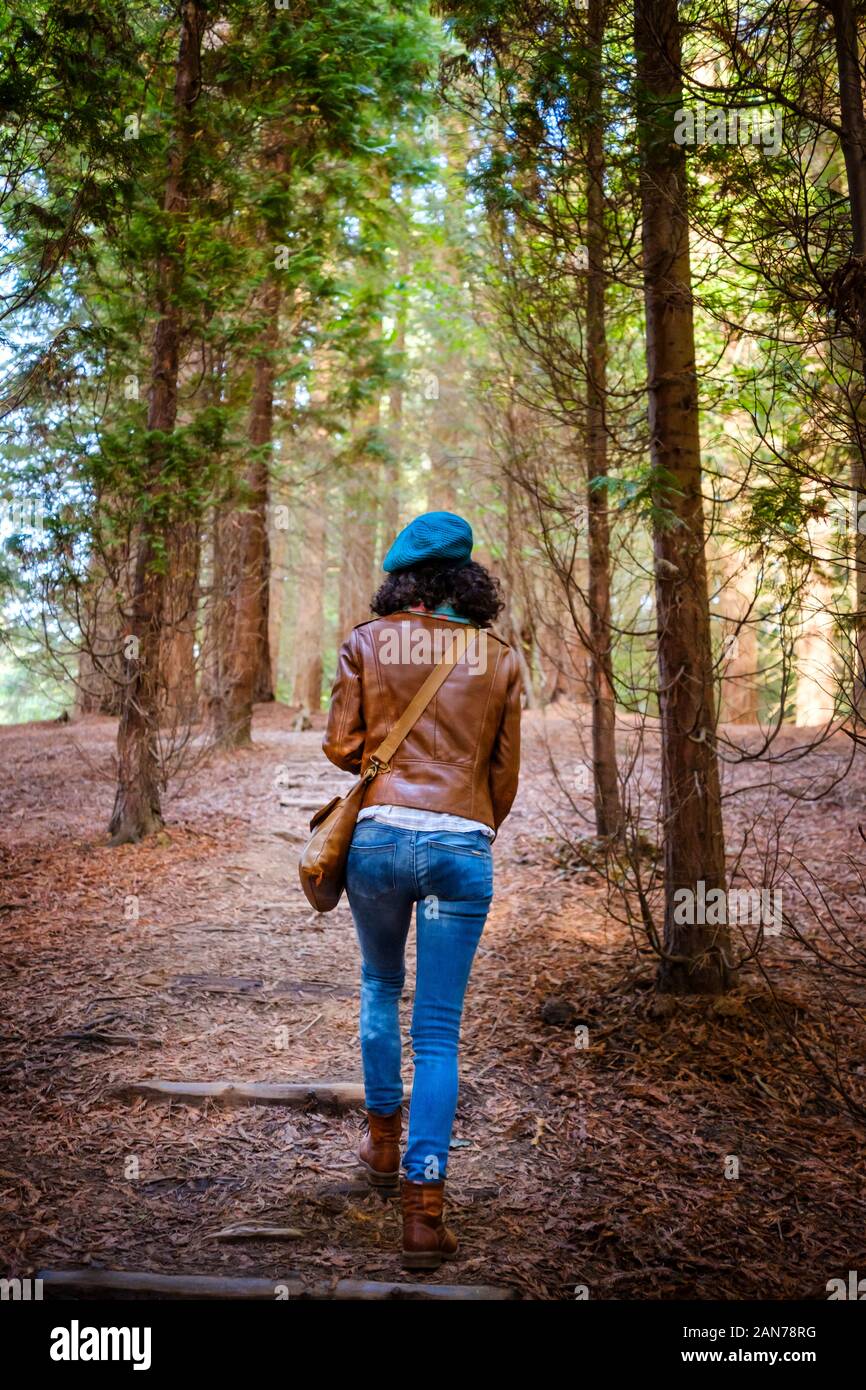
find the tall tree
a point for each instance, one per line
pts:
(697, 955)
(245, 535)
(137, 809)
(853, 278)
(607, 800)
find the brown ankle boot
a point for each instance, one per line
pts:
(380, 1149)
(427, 1241)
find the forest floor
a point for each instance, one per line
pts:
(605, 1166)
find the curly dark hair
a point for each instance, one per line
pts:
(470, 589)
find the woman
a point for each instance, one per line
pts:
(423, 837)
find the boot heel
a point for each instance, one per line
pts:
(422, 1259)
(383, 1182)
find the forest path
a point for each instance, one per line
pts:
(195, 957)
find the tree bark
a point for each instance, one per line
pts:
(559, 629)
(245, 553)
(442, 477)
(358, 531)
(261, 436)
(278, 580)
(196, 385)
(608, 804)
(738, 690)
(218, 619)
(137, 810)
(307, 653)
(854, 151)
(178, 697)
(394, 457)
(814, 650)
(696, 955)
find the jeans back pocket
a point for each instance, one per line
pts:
(461, 866)
(370, 870)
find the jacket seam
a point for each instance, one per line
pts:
(483, 721)
(344, 713)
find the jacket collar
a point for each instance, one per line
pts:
(444, 610)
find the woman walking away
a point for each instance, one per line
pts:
(423, 837)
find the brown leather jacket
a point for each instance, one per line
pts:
(463, 754)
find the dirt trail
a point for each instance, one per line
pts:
(195, 956)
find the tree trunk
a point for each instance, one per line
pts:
(279, 573)
(307, 654)
(243, 539)
(814, 649)
(358, 539)
(522, 609)
(261, 436)
(358, 531)
(559, 630)
(218, 617)
(854, 151)
(738, 691)
(178, 697)
(813, 703)
(442, 477)
(196, 385)
(137, 809)
(696, 954)
(608, 805)
(310, 522)
(394, 456)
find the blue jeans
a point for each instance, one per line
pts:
(450, 876)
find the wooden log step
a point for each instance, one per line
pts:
(315, 989)
(249, 985)
(330, 1094)
(257, 1230)
(218, 984)
(291, 1285)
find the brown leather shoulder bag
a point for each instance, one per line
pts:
(322, 866)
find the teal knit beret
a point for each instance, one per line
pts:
(433, 536)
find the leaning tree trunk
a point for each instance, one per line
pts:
(696, 954)
(137, 809)
(608, 804)
(852, 289)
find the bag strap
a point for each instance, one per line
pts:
(381, 759)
